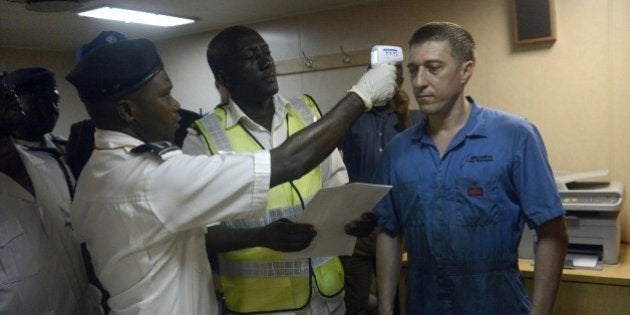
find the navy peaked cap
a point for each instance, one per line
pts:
(112, 71)
(30, 79)
(103, 38)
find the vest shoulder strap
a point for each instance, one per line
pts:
(211, 127)
(212, 131)
(306, 107)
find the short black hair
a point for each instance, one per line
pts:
(460, 40)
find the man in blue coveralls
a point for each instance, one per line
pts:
(465, 181)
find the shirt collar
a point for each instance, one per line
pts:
(475, 125)
(235, 114)
(23, 150)
(45, 143)
(109, 139)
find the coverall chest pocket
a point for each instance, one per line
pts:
(17, 260)
(476, 202)
(411, 201)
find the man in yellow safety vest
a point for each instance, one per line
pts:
(256, 276)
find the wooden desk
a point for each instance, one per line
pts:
(605, 291)
(588, 292)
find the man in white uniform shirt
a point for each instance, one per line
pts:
(41, 268)
(37, 89)
(142, 206)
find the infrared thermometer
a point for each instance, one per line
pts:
(384, 54)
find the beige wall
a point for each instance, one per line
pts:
(574, 90)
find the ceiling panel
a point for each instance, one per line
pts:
(66, 31)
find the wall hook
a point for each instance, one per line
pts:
(346, 57)
(308, 62)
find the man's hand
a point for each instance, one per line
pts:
(400, 103)
(400, 106)
(286, 236)
(362, 227)
(376, 86)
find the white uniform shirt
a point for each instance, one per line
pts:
(42, 268)
(143, 219)
(332, 168)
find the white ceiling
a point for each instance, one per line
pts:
(66, 31)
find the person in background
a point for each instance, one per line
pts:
(465, 181)
(142, 206)
(42, 269)
(251, 251)
(80, 145)
(37, 89)
(361, 149)
(187, 118)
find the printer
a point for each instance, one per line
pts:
(592, 209)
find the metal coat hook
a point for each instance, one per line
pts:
(346, 57)
(308, 62)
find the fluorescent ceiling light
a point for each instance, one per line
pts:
(131, 16)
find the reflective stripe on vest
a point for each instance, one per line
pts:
(212, 131)
(290, 212)
(272, 269)
(259, 279)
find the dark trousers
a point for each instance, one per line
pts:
(359, 271)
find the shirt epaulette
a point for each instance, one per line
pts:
(163, 149)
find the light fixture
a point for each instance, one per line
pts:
(131, 16)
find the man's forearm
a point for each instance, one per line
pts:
(223, 239)
(550, 255)
(307, 148)
(388, 264)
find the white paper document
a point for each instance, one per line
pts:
(330, 210)
(584, 261)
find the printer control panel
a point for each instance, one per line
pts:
(591, 200)
(610, 200)
(592, 196)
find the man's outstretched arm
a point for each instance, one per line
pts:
(307, 148)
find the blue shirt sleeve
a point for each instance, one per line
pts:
(534, 181)
(385, 209)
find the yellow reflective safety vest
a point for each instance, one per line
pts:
(259, 279)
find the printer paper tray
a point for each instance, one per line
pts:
(584, 257)
(580, 261)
